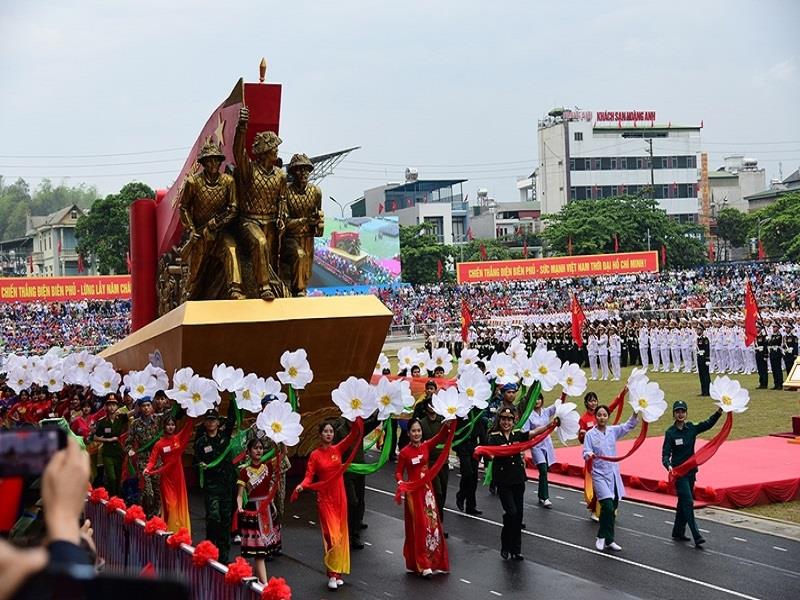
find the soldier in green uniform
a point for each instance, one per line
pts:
(219, 481)
(703, 354)
(108, 431)
(142, 433)
(762, 356)
(790, 347)
(775, 346)
(678, 448)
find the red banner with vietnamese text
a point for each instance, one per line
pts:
(57, 289)
(558, 267)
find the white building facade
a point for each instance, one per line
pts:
(590, 156)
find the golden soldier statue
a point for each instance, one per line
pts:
(304, 221)
(262, 186)
(207, 205)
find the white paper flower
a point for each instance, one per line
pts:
(180, 383)
(406, 358)
(201, 396)
(228, 379)
(383, 363)
(297, 372)
(448, 404)
(440, 357)
(474, 389)
(730, 396)
(14, 362)
(502, 368)
(78, 367)
(568, 421)
(572, 379)
(647, 398)
(469, 356)
(52, 358)
(280, 423)
(389, 397)
(249, 393)
(516, 350)
(547, 368)
(38, 374)
(637, 375)
(140, 384)
(525, 371)
(422, 360)
(104, 379)
(18, 379)
(355, 398)
(160, 375)
(273, 388)
(54, 379)
(406, 395)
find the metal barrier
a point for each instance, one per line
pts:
(129, 549)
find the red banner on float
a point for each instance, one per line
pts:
(559, 267)
(56, 289)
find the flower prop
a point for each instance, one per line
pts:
(104, 379)
(566, 418)
(134, 512)
(422, 359)
(228, 379)
(159, 374)
(280, 423)
(115, 503)
(516, 350)
(383, 363)
(297, 372)
(469, 356)
(638, 374)
(273, 388)
(180, 383)
(18, 379)
(440, 357)
(201, 396)
(449, 404)
(474, 389)
(389, 396)
(502, 368)
(181, 536)
(647, 398)
(237, 570)
(407, 396)
(204, 552)
(140, 384)
(97, 495)
(154, 525)
(525, 370)
(78, 367)
(547, 368)
(406, 358)
(250, 392)
(276, 589)
(355, 398)
(572, 379)
(729, 394)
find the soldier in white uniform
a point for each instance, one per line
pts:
(644, 343)
(654, 349)
(591, 351)
(685, 337)
(602, 351)
(663, 346)
(615, 351)
(674, 340)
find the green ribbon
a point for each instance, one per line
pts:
(235, 445)
(61, 423)
(487, 478)
(370, 468)
(463, 432)
(293, 398)
(534, 392)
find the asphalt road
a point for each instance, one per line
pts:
(560, 558)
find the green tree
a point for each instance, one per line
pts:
(733, 226)
(780, 229)
(420, 252)
(592, 226)
(471, 251)
(104, 232)
(14, 200)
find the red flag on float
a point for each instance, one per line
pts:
(578, 319)
(751, 314)
(525, 248)
(484, 254)
(569, 245)
(663, 256)
(712, 255)
(761, 254)
(81, 266)
(466, 321)
(128, 260)
(380, 207)
(616, 243)
(439, 270)
(469, 234)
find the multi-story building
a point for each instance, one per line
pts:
(589, 156)
(732, 183)
(54, 243)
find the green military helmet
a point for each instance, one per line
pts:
(265, 141)
(300, 161)
(210, 150)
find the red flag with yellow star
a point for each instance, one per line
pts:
(466, 321)
(578, 319)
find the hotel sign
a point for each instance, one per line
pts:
(626, 115)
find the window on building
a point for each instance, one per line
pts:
(613, 163)
(571, 164)
(436, 227)
(608, 191)
(459, 232)
(682, 161)
(595, 164)
(692, 162)
(73, 214)
(640, 163)
(605, 164)
(578, 136)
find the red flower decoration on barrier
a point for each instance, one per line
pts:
(204, 552)
(114, 503)
(134, 512)
(182, 536)
(238, 570)
(276, 589)
(155, 525)
(98, 494)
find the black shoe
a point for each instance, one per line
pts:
(356, 545)
(493, 491)
(460, 502)
(761, 387)
(699, 542)
(517, 557)
(474, 512)
(504, 554)
(681, 538)
(446, 535)
(363, 526)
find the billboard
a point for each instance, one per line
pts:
(588, 265)
(58, 289)
(357, 251)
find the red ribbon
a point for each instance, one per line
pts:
(591, 502)
(411, 486)
(617, 405)
(516, 448)
(706, 452)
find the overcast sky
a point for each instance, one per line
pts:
(453, 88)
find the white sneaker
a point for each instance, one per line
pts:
(339, 582)
(332, 585)
(594, 517)
(600, 544)
(427, 572)
(546, 503)
(237, 539)
(614, 546)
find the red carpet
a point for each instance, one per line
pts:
(742, 473)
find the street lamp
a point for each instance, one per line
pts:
(342, 206)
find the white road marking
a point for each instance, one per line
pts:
(296, 516)
(388, 552)
(465, 581)
(638, 516)
(779, 549)
(495, 593)
(368, 543)
(588, 550)
(311, 523)
(738, 539)
(668, 522)
(560, 497)
(703, 530)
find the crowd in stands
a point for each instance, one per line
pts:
(368, 272)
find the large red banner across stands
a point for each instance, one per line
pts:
(33, 289)
(558, 267)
